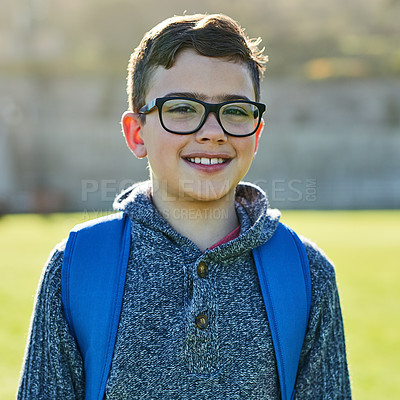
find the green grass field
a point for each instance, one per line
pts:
(364, 245)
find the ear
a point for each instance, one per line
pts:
(132, 126)
(258, 135)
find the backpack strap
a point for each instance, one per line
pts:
(284, 276)
(92, 284)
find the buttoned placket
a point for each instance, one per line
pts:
(202, 347)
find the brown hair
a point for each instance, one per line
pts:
(215, 35)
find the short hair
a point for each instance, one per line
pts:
(214, 35)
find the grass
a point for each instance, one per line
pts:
(363, 244)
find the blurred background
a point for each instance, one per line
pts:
(331, 142)
(332, 87)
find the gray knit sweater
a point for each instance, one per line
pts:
(160, 353)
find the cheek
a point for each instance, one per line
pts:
(246, 147)
(154, 137)
(163, 148)
(246, 156)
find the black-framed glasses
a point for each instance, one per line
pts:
(184, 116)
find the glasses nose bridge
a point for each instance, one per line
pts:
(211, 108)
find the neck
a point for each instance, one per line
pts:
(203, 222)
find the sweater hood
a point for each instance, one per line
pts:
(258, 221)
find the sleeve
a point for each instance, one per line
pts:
(53, 367)
(323, 370)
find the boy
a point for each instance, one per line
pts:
(193, 323)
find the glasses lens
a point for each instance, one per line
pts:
(182, 115)
(239, 118)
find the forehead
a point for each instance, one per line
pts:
(211, 78)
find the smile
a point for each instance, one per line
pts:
(206, 161)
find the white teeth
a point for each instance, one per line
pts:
(206, 161)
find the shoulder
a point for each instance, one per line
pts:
(56, 255)
(322, 270)
(50, 281)
(318, 259)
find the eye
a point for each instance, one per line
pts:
(180, 107)
(235, 111)
(238, 111)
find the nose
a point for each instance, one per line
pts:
(211, 130)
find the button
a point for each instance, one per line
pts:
(202, 269)
(202, 321)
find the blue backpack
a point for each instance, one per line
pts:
(93, 279)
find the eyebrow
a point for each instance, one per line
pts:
(203, 97)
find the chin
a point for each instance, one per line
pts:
(208, 191)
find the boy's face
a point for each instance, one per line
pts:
(172, 157)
